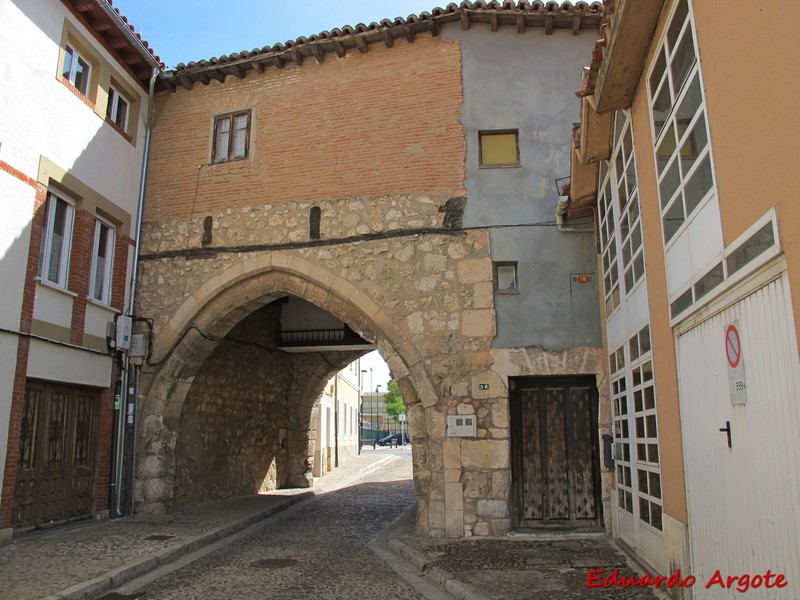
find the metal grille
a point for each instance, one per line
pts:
(27, 434)
(55, 429)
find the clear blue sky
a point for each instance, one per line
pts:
(180, 31)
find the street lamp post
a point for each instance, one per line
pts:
(370, 408)
(377, 387)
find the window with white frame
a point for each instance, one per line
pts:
(102, 261)
(608, 241)
(627, 204)
(231, 136)
(682, 151)
(56, 239)
(77, 70)
(117, 109)
(636, 452)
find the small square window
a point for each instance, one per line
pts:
(56, 239)
(505, 278)
(77, 70)
(499, 148)
(117, 109)
(231, 136)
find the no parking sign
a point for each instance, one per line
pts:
(733, 354)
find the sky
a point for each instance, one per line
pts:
(181, 31)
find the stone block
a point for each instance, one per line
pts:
(471, 271)
(485, 454)
(465, 409)
(501, 484)
(481, 529)
(454, 523)
(478, 323)
(451, 454)
(453, 496)
(483, 295)
(501, 526)
(493, 509)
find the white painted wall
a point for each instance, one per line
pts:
(40, 117)
(44, 118)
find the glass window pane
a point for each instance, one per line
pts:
(239, 146)
(506, 278)
(222, 138)
(499, 149)
(644, 339)
(82, 76)
(121, 117)
(673, 219)
(699, 185)
(681, 12)
(68, 58)
(654, 486)
(693, 145)
(682, 61)
(658, 72)
(661, 107)
(759, 243)
(683, 302)
(669, 184)
(709, 281)
(649, 398)
(665, 149)
(689, 105)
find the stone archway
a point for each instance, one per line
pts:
(197, 330)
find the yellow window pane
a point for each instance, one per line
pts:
(499, 149)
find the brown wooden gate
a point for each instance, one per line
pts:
(56, 468)
(555, 452)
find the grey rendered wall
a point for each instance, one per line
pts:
(526, 82)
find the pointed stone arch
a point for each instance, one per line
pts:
(194, 330)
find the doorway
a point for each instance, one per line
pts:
(555, 452)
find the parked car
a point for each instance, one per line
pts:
(394, 439)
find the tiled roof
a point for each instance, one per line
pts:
(591, 71)
(546, 16)
(119, 36)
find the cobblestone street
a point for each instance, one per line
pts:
(315, 549)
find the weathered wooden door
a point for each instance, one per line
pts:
(555, 452)
(55, 472)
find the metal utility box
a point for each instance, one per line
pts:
(462, 426)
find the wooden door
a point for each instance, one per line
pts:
(55, 472)
(555, 460)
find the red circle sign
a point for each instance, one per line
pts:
(733, 346)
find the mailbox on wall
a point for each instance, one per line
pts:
(461, 426)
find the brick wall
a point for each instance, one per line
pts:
(385, 122)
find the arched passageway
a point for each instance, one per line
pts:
(225, 411)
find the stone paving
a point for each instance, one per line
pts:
(330, 546)
(84, 558)
(317, 549)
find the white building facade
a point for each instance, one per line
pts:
(72, 139)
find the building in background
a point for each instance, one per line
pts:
(685, 150)
(338, 420)
(72, 139)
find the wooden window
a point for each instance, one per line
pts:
(118, 109)
(505, 278)
(499, 148)
(56, 239)
(231, 136)
(77, 70)
(102, 261)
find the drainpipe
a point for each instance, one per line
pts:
(560, 213)
(130, 395)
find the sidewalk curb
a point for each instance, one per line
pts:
(92, 588)
(97, 586)
(427, 568)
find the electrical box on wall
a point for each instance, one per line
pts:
(462, 426)
(122, 340)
